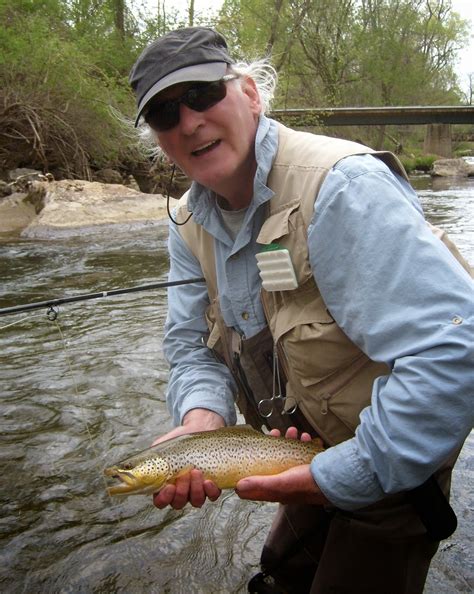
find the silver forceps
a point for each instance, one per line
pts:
(276, 403)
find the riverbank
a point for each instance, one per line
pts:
(49, 209)
(43, 208)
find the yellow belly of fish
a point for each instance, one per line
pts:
(228, 479)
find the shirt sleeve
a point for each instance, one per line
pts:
(197, 379)
(400, 295)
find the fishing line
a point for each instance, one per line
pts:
(74, 383)
(16, 322)
(127, 534)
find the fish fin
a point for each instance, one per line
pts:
(165, 444)
(240, 428)
(183, 471)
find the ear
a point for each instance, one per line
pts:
(249, 89)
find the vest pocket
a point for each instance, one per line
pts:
(333, 406)
(313, 343)
(286, 228)
(328, 375)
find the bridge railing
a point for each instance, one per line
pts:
(377, 116)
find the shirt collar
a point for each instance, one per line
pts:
(201, 200)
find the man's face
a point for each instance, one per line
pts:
(216, 147)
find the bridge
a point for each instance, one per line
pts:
(437, 118)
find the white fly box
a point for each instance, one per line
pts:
(276, 270)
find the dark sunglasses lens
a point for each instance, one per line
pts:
(202, 97)
(165, 115)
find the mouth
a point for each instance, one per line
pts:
(205, 148)
(124, 481)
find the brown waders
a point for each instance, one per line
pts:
(381, 549)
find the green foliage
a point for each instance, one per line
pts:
(352, 52)
(425, 162)
(413, 162)
(408, 163)
(56, 96)
(64, 65)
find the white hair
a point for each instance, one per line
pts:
(264, 76)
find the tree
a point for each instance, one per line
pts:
(409, 52)
(352, 52)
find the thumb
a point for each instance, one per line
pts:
(256, 488)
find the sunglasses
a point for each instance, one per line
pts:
(164, 115)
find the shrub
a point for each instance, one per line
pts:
(55, 101)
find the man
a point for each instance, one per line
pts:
(370, 343)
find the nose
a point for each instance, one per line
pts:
(189, 120)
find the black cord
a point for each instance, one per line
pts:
(168, 200)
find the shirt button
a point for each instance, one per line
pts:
(457, 320)
(245, 315)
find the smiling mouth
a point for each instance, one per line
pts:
(205, 149)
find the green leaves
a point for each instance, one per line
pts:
(352, 52)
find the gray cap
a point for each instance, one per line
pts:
(184, 55)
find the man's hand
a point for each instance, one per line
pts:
(190, 487)
(295, 485)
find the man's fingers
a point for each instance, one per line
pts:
(164, 497)
(264, 488)
(189, 488)
(197, 496)
(181, 497)
(212, 491)
(291, 433)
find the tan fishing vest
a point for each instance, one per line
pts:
(327, 375)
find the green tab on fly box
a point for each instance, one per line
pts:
(276, 268)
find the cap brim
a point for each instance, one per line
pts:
(199, 72)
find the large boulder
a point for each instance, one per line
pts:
(16, 213)
(450, 168)
(69, 207)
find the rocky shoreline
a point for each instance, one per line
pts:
(46, 209)
(36, 206)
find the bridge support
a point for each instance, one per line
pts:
(438, 140)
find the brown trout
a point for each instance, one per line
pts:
(224, 456)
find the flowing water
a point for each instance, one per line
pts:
(88, 388)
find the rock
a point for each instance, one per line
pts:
(71, 207)
(16, 213)
(131, 182)
(24, 173)
(470, 165)
(108, 176)
(450, 168)
(5, 189)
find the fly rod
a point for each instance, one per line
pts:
(54, 302)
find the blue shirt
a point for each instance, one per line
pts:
(390, 284)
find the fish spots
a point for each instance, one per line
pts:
(224, 456)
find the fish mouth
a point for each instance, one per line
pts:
(127, 482)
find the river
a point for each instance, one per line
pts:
(88, 388)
